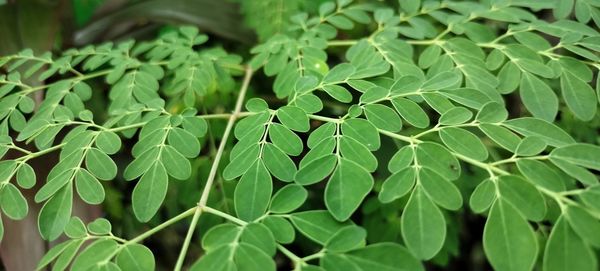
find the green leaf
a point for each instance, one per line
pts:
(383, 117)
(441, 191)
(176, 164)
(501, 136)
(483, 196)
(26, 176)
(108, 142)
(546, 131)
(282, 229)
(98, 252)
(397, 185)
(293, 118)
(88, 187)
(13, 203)
(401, 159)
(347, 187)
(455, 116)
(241, 163)
(75, 228)
(540, 174)
(279, 164)
(380, 256)
(55, 214)
(100, 226)
(253, 192)
(347, 238)
(530, 146)
(317, 225)
(442, 80)
(358, 153)
(363, 131)
(339, 93)
(316, 170)
(150, 192)
(423, 226)
(220, 235)
(100, 164)
(584, 224)
(585, 155)
(184, 142)
(523, 196)
(259, 236)
(464, 142)
(538, 97)
(288, 199)
(285, 139)
(579, 96)
(411, 112)
(508, 240)
(566, 251)
(135, 257)
(438, 158)
(492, 112)
(256, 105)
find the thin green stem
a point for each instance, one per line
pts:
(223, 215)
(162, 226)
(214, 168)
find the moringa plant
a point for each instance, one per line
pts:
(382, 129)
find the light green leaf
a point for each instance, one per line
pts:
(442, 80)
(285, 139)
(135, 257)
(279, 164)
(26, 176)
(566, 251)
(109, 142)
(464, 142)
(100, 164)
(288, 198)
(529, 146)
(508, 240)
(585, 155)
(401, 159)
(579, 96)
(55, 214)
(455, 116)
(383, 117)
(316, 170)
(318, 226)
(411, 112)
(100, 226)
(99, 251)
(150, 192)
(253, 192)
(438, 158)
(13, 203)
(524, 196)
(88, 187)
(423, 226)
(293, 118)
(397, 185)
(540, 174)
(358, 153)
(259, 236)
(441, 191)
(184, 142)
(363, 131)
(492, 112)
(584, 224)
(75, 228)
(282, 229)
(347, 238)
(176, 164)
(483, 196)
(348, 186)
(538, 97)
(546, 131)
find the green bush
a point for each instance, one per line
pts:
(352, 136)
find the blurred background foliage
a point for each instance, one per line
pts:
(236, 26)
